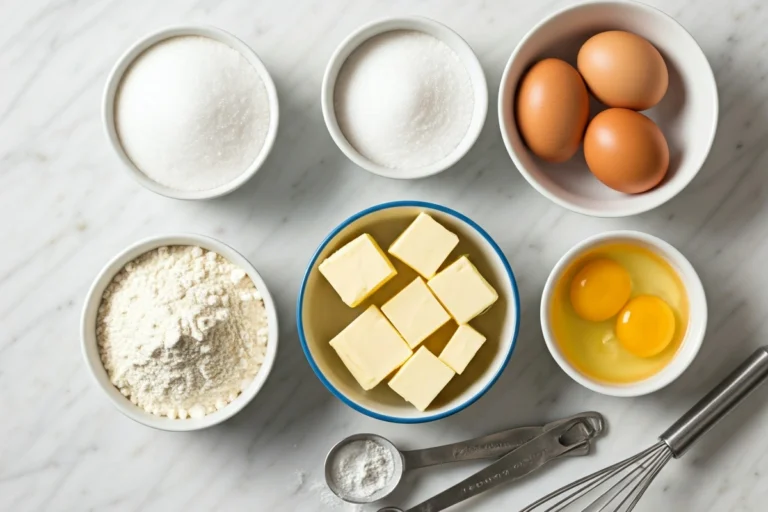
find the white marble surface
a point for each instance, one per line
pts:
(67, 207)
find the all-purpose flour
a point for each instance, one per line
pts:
(192, 113)
(181, 331)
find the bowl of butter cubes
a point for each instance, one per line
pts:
(408, 312)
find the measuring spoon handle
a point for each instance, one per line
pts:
(512, 466)
(484, 447)
(491, 446)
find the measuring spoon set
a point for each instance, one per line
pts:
(519, 451)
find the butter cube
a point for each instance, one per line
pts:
(421, 378)
(461, 348)
(415, 312)
(462, 290)
(424, 245)
(357, 270)
(371, 348)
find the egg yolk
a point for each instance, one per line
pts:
(600, 289)
(645, 326)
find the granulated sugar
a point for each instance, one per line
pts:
(404, 99)
(192, 113)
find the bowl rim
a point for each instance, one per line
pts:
(428, 26)
(711, 85)
(125, 61)
(693, 338)
(88, 341)
(332, 235)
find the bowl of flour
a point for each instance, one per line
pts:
(404, 98)
(179, 331)
(191, 111)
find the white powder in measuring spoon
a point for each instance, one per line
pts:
(192, 113)
(362, 468)
(404, 100)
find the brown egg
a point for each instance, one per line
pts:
(623, 70)
(552, 108)
(626, 150)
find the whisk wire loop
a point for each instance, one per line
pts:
(616, 488)
(658, 465)
(632, 486)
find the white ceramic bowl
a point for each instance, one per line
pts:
(687, 114)
(427, 26)
(124, 62)
(320, 313)
(91, 351)
(697, 316)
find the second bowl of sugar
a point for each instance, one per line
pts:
(404, 97)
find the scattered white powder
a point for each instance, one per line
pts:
(192, 113)
(330, 501)
(404, 100)
(181, 331)
(362, 468)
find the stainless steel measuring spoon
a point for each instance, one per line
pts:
(485, 447)
(568, 436)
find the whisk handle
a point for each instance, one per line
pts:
(717, 403)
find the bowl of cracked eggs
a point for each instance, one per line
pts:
(623, 313)
(179, 331)
(608, 108)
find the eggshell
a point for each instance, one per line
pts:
(626, 150)
(623, 70)
(552, 109)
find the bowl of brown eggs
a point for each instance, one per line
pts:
(608, 108)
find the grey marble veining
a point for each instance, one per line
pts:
(67, 207)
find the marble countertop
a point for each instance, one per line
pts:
(67, 207)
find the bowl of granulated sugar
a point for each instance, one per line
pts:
(404, 97)
(191, 111)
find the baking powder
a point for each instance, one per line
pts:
(181, 331)
(362, 468)
(404, 100)
(192, 113)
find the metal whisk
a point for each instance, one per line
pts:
(618, 488)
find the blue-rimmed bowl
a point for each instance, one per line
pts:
(321, 314)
